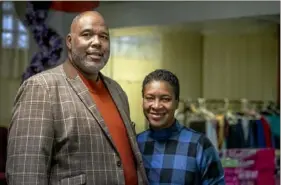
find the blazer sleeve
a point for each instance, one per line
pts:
(31, 136)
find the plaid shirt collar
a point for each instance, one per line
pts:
(166, 133)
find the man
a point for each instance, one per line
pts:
(172, 153)
(71, 124)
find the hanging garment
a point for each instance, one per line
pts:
(245, 125)
(198, 126)
(236, 136)
(274, 121)
(260, 133)
(211, 132)
(221, 136)
(267, 133)
(206, 127)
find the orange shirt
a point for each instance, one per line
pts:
(116, 127)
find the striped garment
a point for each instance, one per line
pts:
(180, 156)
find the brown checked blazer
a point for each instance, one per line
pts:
(58, 137)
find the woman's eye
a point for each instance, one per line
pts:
(149, 98)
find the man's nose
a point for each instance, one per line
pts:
(95, 42)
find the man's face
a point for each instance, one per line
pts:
(159, 104)
(89, 43)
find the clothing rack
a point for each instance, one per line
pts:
(225, 103)
(189, 100)
(199, 110)
(223, 100)
(242, 126)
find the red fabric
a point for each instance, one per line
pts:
(267, 132)
(74, 6)
(116, 127)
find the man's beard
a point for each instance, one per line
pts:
(82, 62)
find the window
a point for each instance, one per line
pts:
(14, 33)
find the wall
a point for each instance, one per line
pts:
(241, 65)
(182, 54)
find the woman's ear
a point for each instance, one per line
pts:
(177, 104)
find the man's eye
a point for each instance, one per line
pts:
(86, 34)
(104, 37)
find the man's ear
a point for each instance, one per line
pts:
(68, 41)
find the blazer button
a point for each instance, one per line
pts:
(119, 163)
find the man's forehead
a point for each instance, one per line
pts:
(88, 20)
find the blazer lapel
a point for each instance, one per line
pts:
(119, 105)
(115, 94)
(83, 93)
(131, 133)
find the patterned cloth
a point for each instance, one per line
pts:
(50, 43)
(57, 135)
(180, 156)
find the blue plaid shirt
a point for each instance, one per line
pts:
(180, 156)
